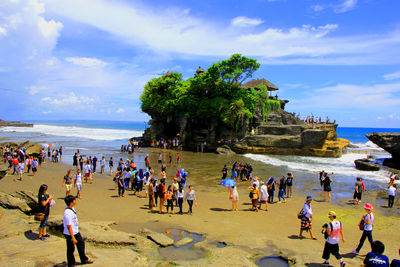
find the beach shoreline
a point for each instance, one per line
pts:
(262, 233)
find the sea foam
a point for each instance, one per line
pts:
(80, 132)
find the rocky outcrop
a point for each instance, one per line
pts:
(226, 150)
(366, 165)
(293, 139)
(160, 239)
(14, 124)
(389, 142)
(10, 202)
(31, 149)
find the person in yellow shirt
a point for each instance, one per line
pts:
(168, 197)
(254, 196)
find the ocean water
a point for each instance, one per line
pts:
(104, 138)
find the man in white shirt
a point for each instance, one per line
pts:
(71, 233)
(334, 230)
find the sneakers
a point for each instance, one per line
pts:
(325, 263)
(354, 251)
(342, 264)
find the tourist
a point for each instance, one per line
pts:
(392, 194)
(395, 262)
(34, 166)
(120, 183)
(376, 257)
(175, 188)
(68, 182)
(178, 159)
(159, 158)
(368, 222)
(155, 186)
(322, 174)
(44, 207)
(15, 163)
(224, 172)
(306, 219)
(170, 158)
(357, 191)
(150, 193)
(334, 230)
(139, 182)
(21, 168)
(289, 185)
(88, 170)
(168, 196)
(326, 183)
(81, 161)
(254, 195)
(281, 192)
(28, 164)
(180, 195)
(146, 181)
(263, 196)
(147, 161)
(75, 161)
(94, 163)
(72, 234)
(102, 165)
(271, 189)
(234, 196)
(78, 183)
(111, 165)
(161, 194)
(191, 198)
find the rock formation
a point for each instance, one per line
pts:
(366, 165)
(389, 142)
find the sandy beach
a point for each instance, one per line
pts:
(255, 234)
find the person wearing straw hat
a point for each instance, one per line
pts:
(334, 230)
(368, 220)
(306, 219)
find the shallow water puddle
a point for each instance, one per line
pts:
(272, 262)
(185, 252)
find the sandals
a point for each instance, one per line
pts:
(46, 235)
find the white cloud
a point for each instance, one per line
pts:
(346, 6)
(317, 8)
(392, 76)
(86, 61)
(34, 89)
(177, 32)
(70, 100)
(242, 21)
(49, 29)
(120, 110)
(3, 32)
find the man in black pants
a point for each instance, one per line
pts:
(334, 231)
(71, 233)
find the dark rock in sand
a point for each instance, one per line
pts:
(389, 142)
(366, 165)
(10, 202)
(3, 172)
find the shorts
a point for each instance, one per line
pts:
(87, 175)
(68, 187)
(235, 197)
(44, 222)
(34, 169)
(79, 187)
(357, 195)
(254, 202)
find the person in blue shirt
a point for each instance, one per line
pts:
(395, 263)
(375, 258)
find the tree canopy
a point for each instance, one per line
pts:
(217, 93)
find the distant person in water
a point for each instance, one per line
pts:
(326, 182)
(322, 174)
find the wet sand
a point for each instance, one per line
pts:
(260, 233)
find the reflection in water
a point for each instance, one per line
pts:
(272, 262)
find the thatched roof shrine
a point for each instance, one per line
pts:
(200, 70)
(255, 83)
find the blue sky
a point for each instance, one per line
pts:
(73, 59)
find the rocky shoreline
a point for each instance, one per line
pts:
(14, 124)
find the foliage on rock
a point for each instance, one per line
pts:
(217, 93)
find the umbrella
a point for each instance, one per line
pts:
(228, 182)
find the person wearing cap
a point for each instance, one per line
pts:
(306, 220)
(368, 219)
(334, 230)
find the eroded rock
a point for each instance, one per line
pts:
(160, 239)
(366, 165)
(10, 202)
(183, 242)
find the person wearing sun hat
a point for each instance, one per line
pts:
(334, 230)
(368, 220)
(306, 219)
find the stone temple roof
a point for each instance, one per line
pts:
(255, 83)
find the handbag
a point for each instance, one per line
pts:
(361, 224)
(39, 217)
(300, 214)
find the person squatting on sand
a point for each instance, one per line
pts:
(44, 204)
(306, 218)
(334, 230)
(366, 224)
(72, 235)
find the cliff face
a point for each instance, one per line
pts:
(389, 142)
